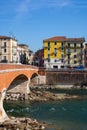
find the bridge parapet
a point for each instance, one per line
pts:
(5, 66)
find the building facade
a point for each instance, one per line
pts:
(54, 52)
(31, 56)
(75, 52)
(38, 58)
(85, 55)
(23, 53)
(8, 49)
(61, 51)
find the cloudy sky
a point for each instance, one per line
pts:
(32, 21)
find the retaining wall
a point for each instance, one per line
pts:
(68, 77)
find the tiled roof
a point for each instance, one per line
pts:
(5, 37)
(76, 39)
(22, 45)
(57, 38)
(63, 38)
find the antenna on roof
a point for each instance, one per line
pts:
(11, 35)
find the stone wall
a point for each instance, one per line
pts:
(65, 77)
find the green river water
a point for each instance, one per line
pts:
(60, 115)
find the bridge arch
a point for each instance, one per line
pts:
(9, 74)
(18, 83)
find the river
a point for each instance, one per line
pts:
(60, 115)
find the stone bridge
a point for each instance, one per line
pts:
(12, 75)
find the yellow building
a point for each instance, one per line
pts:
(54, 52)
(62, 51)
(8, 49)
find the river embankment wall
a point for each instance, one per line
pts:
(65, 77)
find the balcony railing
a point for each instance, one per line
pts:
(73, 47)
(68, 52)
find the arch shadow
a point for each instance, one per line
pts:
(17, 81)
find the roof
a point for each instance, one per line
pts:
(56, 38)
(22, 45)
(7, 37)
(63, 38)
(82, 39)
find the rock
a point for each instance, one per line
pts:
(22, 124)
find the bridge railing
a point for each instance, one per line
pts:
(5, 66)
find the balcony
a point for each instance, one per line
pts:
(81, 52)
(72, 47)
(68, 52)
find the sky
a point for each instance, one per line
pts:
(32, 21)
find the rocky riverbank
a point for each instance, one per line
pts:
(42, 96)
(22, 124)
(35, 95)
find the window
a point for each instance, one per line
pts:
(74, 49)
(48, 59)
(55, 54)
(75, 61)
(68, 62)
(4, 49)
(81, 45)
(55, 50)
(5, 58)
(62, 46)
(81, 62)
(62, 55)
(75, 56)
(48, 44)
(62, 60)
(4, 44)
(48, 48)
(55, 60)
(68, 45)
(68, 51)
(85, 52)
(55, 66)
(74, 45)
(55, 43)
(68, 56)
(48, 55)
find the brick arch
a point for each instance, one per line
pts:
(7, 77)
(17, 81)
(33, 75)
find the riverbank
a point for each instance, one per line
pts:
(37, 95)
(22, 124)
(43, 95)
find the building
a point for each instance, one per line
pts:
(23, 53)
(31, 55)
(54, 52)
(38, 58)
(8, 49)
(85, 55)
(60, 51)
(75, 52)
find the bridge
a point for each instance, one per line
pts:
(11, 74)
